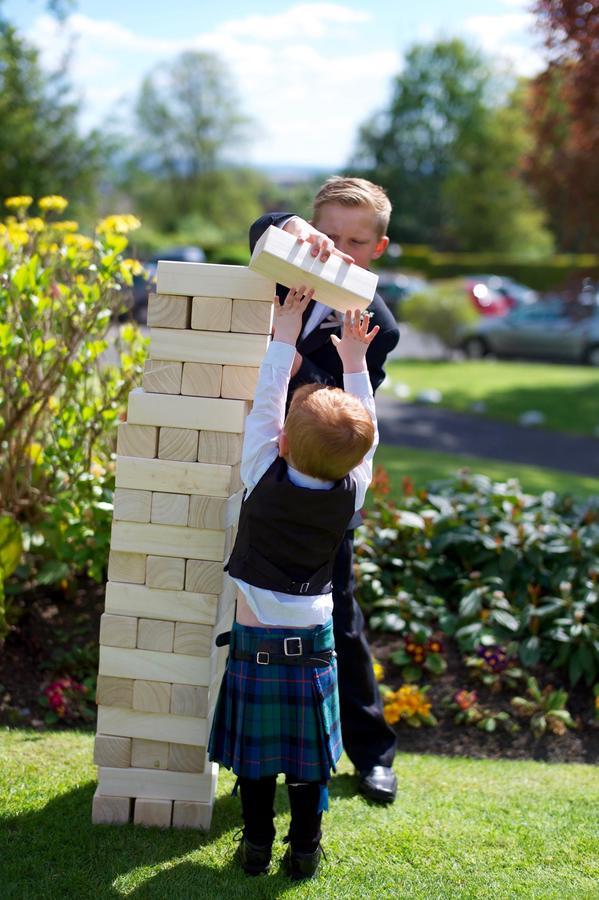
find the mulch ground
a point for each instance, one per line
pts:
(56, 634)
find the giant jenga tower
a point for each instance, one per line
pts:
(176, 506)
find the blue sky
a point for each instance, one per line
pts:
(307, 73)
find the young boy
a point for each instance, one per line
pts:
(305, 475)
(350, 218)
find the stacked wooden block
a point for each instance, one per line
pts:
(176, 505)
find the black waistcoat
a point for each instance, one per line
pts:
(288, 536)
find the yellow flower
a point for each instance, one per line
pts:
(35, 224)
(133, 266)
(118, 224)
(20, 202)
(597, 702)
(35, 452)
(66, 225)
(379, 671)
(53, 202)
(53, 404)
(79, 241)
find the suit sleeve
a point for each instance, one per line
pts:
(258, 228)
(384, 342)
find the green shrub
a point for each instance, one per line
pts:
(59, 404)
(443, 310)
(229, 255)
(488, 565)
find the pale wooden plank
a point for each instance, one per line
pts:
(187, 814)
(149, 754)
(131, 505)
(129, 568)
(153, 665)
(150, 813)
(208, 347)
(158, 784)
(337, 284)
(212, 280)
(180, 606)
(252, 317)
(162, 376)
(201, 379)
(110, 750)
(117, 811)
(204, 577)
(192, 639)
(207, 512)
(186, 412)
(189, 700)
(169, 509)
(137, 440)
(173, 476)
(118, 631)
(220, 447)
(239, 382)
(152, 726)
(186, 758)
(114, 691)
(157, 634)
(165, 572)
(178, 443)
(211, 313)
(169, 310)
(168, 540)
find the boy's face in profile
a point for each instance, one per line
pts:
(353, 229)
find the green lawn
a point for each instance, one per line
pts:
(461, 828)
(423, 466)
(568, 396)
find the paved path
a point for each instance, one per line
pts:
(432, 428)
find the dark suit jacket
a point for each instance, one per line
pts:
(321, 362)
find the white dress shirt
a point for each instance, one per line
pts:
(260, 449)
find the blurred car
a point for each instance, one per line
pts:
(395, 287)
(495, 295)
(542, 330)
(143, 285)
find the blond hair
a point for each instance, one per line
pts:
(355, 192)
(329, 431)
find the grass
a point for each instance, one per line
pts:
(460, 828)
(424, 466)
(568, 396)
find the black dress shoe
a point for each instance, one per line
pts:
(378, 784)
(254, 860)
(302, 865)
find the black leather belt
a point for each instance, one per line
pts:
(289, 651)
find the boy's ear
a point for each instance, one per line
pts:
(381, 247)
(283, 445)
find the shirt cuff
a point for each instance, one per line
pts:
(280, 355)
(358, 383)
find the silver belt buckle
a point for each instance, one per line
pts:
(286, 648)
(263, 662)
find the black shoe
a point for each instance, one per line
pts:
(254, 860)
(302, 865)
(378, 784)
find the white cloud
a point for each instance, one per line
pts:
(312, 20)
(505, 36)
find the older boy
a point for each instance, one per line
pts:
(350, 218)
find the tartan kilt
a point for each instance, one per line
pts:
(272, 719)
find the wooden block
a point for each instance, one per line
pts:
(127, 567)
(189, 700)
(165, 572)
(186, 758)
(112, 751)
(239, 382)
(168, 540)
(220, 347)
(211, 313)
(226, 600)
(203, 577)
(187, 814)
(178, 443)
(149, 754)
(153, 665)
(152, 726)
(169, 311)
(202, 379)
(187, 412)
(220, 447)
(162, 376)
(158, 784)
(114, 691)
(152, 813)
(192, 639)
(131, 505)
(118, 631)
(230, 535)
(210, 280)
(337, 284)
(180, 606)
(137, 440)
(218, 661)
(117, 811)
(171, 476)
(252, 317)
(207, 512)
(170, 509)
(156, 634)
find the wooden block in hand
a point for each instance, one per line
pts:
(252, 317)
(153, 813)
(207, 512)
(169, 311)
(337, 284)
(189, 700)
(131, 505)
(118, 631)
(127, 567)
(187, 814)
(211, 280)
(162, 376)
(192, 639)
(151, 696)
(137, 440)
(187, 412)
(178, 443)
(149, 754)
(203, 577)
(170, 509)
(239, 382)
(167, 573)
(112, 691)
(220, 347)
(211, 313)
(116, 810)
(186, 758)
(156, 634)
(202, 379)
(112, 751)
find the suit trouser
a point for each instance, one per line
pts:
(367, 739)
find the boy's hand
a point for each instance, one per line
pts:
(356, 340)
(322, 246)
(288, 317)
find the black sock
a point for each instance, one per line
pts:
(304, 799)
(257, 799)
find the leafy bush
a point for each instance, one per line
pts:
(59, 402)
(487, 564)
(443, 310)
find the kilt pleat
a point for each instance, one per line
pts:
(272, 719)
